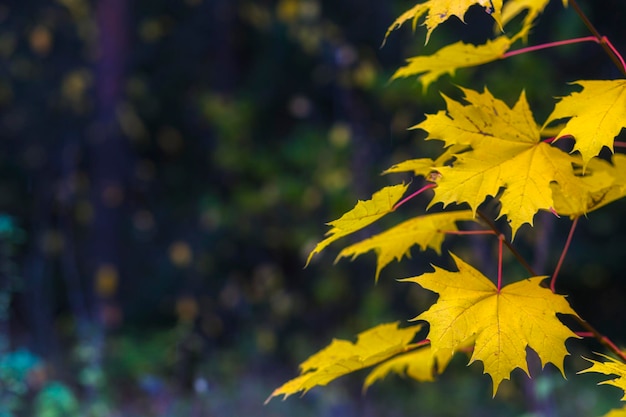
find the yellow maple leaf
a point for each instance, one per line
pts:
(420, 166)
(419, 365)
(619, 412)
(611, 177)
(533, 8)
(506, 154)
(610, 367)
(452, 57)
(504, 322)
(425, 166)
(342, 357)
(425, 231)
(363, 214)
(414, 14)
(438, 11)
(596, 115)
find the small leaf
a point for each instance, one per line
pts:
(342, 357)
(425, 166)
(504, 322)
(596, 115)
(438, 11)
(363, 214)
(419, 365)
(422, 166)
(610, 367)
(452, 57)
(534, 7)
(603, 183)
(425, 231)
(414, 13)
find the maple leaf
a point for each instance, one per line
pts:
(610, 367)
(427, 231)
(620, 412)
(596, 115)
(363, 214)
(506, 153)
(419, 365)
(533, 7)
(452, 57)
(414, 13)
(438, 11)
(342, 357)
(504, 322)
(420, 166)
(611, 177)
(424, 166)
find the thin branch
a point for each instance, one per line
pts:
(563, 253)
(508, 244)
(550, 45)
(415, 194)
(605, 341)
(500, 240)
(467, 232)
(610, 50)
(603, 41)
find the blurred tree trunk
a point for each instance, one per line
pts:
(109, 164)
(109, 156)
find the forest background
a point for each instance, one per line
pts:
(167, 166)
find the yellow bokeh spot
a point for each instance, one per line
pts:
(107, 280)
(40, 40)
(340, 134)
(180, 254)
(186, 308)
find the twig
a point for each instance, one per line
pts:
(508, 244)
(610, 50)
(563, 253)
(605, 341)
(415, 194)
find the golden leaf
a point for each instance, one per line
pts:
(596, 115)
(425, 231)
(363, 214)
(342, 357)
(504, 322)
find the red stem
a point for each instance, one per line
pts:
(605, 341)
(550, 45)
(619, 144)
(602, 339)
(601, 40)
(500, 240)
(415, 194)
(508, 244)
(468, 232)
(563, 253)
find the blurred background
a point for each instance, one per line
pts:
(166, 166)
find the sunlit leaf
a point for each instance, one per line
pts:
(342, 357)
(506, 155)
(427, 231)
(363, 214)
(438, 11)
(452, 57)
(419, 365)
(609, 367)
(504, 322)
(596, 115)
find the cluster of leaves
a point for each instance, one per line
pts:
(491, 152)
